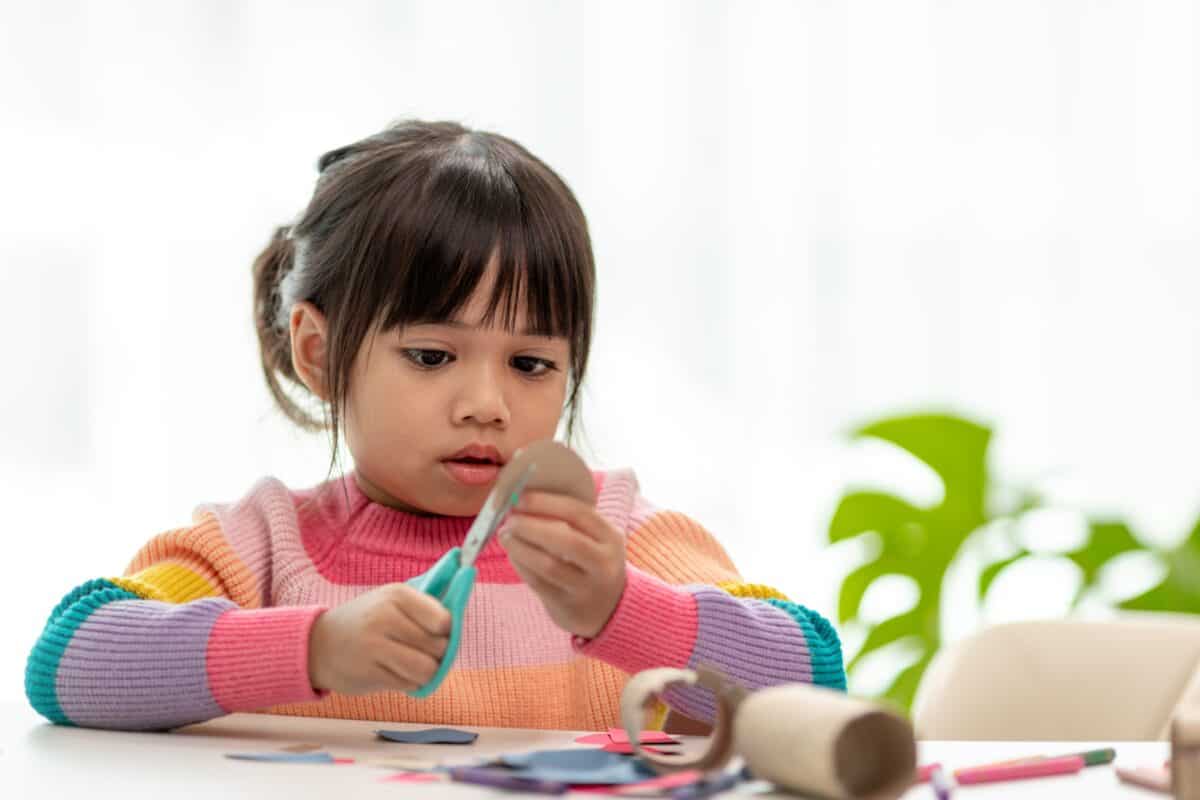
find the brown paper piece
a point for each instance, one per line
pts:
(803, 738)
(557, 468)
(639, 696)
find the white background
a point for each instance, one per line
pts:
(805, 215)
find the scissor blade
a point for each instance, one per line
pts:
(493, 511)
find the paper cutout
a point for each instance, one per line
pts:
(626, 749)
(411, 777)
(500, 778)
(645, 737)
(655, 787)
(430, 736)
(285, 758)
(578, 766)
(617, 741)
(405, 763)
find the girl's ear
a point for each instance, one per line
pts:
(309, 341)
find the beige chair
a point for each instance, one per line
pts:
(1064, 680)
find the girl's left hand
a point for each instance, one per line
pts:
(571, 556)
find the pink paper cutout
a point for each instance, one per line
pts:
(410, 777)
(645, 737)
(625, 748)
(594, 738)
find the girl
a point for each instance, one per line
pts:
(434, 300)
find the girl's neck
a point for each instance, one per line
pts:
(378, 495)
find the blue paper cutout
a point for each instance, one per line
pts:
(288, 758)
(430, 736)
(583, 766)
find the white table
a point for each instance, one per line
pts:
(39, 760)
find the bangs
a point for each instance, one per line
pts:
(478, 208)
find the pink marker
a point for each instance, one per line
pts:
(1020, 771)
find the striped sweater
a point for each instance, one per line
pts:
(215, 618)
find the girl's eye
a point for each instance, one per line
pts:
(534, 367)
(428, 359)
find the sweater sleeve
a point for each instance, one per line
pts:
(685, 605)
(184, 635)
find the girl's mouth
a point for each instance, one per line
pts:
(472, 471)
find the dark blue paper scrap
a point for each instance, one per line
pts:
(284, 758)
(583, 766)
(430, 736)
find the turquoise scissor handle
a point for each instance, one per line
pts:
(449, 582)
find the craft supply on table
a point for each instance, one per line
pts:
(579, 766)
(942, 787)
(1020, 771)
(290, 758)
(707, 786)
(411, 777)
(803, 738)
(506, 779)
(429, 736)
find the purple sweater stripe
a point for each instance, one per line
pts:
(752, 643)
(140, 665)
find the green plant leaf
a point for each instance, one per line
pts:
(1106, 540)
(855, 585)
(890, 630)
(953, 447)
(993, 570)
(917, 542)
(904, 687)
(860, 512)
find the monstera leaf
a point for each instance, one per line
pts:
(916, 542)
(1178, 591)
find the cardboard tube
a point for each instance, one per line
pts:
(819, 741)
(802, 738)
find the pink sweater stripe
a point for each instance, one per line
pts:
(244, 643)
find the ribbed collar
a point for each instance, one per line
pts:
(349, 517)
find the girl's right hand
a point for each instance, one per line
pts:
(388, 639)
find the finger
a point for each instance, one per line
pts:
(559, 539)
(408, 662)
(404, 630)
(423, 609)
(538, 585)
(580, 515)
(544, 566)
(390, 680)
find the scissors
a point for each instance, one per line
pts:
(452, 578)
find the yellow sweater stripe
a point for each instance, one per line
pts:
(756, 591)
(168, 583)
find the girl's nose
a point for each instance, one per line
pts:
(481, 400)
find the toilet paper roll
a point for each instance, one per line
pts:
(800, 737)
(818, 741)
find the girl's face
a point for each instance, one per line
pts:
(423, 398)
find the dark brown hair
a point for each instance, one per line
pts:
(400, 229)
